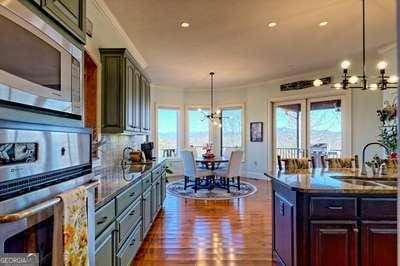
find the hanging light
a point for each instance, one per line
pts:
(214, 117)
(361, 81)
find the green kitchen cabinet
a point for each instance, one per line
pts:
(71, 14)
(125, 94)
(105, 247)
(145, 93)
(147, 212)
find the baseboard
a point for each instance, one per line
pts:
(255, 175)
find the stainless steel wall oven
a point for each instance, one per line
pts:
(36, 164)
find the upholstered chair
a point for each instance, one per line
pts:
(229, 174)
(340, 163)
(295, 164)
(191, 173)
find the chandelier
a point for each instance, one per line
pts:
(349, 81)
(214, 117)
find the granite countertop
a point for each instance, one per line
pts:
(329, 181)
(114, 179)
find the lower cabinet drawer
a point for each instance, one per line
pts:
(127, 221)
(146, 182)
(104, 245)
(378, 208)
(333, 208)
(125, 199)
(132, 245)
(104, 216)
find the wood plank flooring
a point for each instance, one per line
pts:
(197, 232)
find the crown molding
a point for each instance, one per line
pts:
(106, 12)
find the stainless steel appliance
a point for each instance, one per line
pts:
(36, 164)
(147, 149)
(39, 67)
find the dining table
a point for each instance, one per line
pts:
(212, 163)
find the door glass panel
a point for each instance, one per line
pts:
(288, 131)
(27, 56)
(167, 132)
(325, 128)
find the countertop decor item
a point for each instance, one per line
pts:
(383, 81)
(388, 128)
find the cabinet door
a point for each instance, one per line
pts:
(283, 229)
(334, 244)
(105, 247)
(147, 213)
(137, 101)
(159, 196)
(145, 110)
(70, 13)
(163, 187)
(153, 200)
(129, 96)
(378, 244)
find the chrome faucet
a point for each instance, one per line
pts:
(363, 167)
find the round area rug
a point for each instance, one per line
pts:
(177, 188)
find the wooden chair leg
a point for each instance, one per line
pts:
(228, 184)
(196, 182)
(238, 182)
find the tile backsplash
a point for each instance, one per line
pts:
(112, 145)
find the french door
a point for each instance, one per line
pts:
(310, 127)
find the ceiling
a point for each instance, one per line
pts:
(231, 37)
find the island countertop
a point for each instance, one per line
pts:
(114, 179)
(334, 181)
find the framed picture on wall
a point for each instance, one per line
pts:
(256, 131)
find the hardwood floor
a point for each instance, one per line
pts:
(197, 232)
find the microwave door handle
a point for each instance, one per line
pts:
(12, 217)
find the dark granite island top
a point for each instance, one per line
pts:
(114, 179)
(335, 181)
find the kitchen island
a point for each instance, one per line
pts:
(127, 200)
(334, 217)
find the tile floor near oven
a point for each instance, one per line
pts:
(201, 232)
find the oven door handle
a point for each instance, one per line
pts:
(13, 217)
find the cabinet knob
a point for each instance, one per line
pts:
(355, 230)
(132, 194)
(132, 212)
(132, 242)
(103, 220)
(282, 208)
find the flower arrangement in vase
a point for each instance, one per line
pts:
(208, 148)
(388, 129)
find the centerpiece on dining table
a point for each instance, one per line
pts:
(208, 148)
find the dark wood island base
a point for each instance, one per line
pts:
(320, 222)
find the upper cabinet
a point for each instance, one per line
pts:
(71, 14)
(125, 94)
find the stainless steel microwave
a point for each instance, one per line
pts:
(39, 67)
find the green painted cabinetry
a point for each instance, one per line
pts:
(71, 14)
(125, 94)
(123, 222)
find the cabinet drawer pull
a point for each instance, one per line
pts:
(132, 212)
(355, 230)
(335, 208)
(282, 208)
(103, 220)
(147, 181)
(132, 194)
(132, 242)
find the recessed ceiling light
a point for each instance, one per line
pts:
(185, 24)
(272, 24)
(323, 23)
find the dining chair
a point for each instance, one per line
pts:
(232, 172)
(340, 162)
(294, 164)
(191, 172)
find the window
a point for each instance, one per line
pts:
(198, 129)
(231, 130)
(167, 132)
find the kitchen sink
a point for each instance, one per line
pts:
(359, 182)
(391, 183)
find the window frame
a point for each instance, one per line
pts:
(179, 127)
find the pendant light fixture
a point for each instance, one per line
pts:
(214, 117)
(361, 81)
